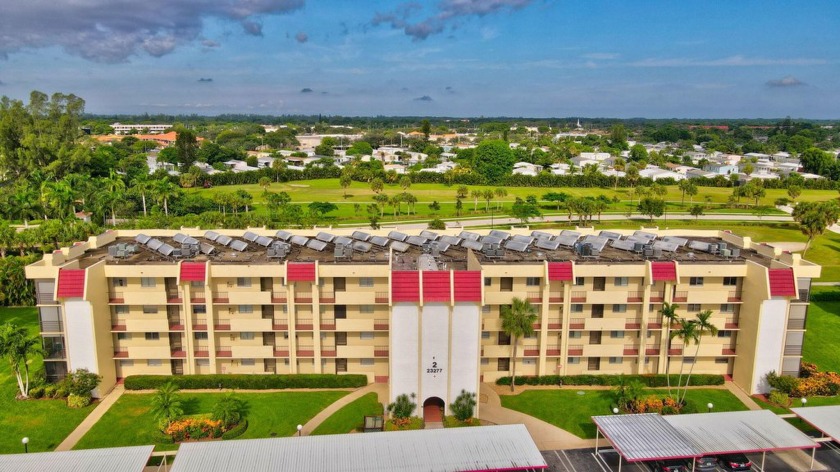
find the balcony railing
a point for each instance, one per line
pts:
(732, 323)
(327, 297)
(380, 324)
(176, 325)
(555, 297)
(680, 296)
(224, 351)
(793, 350)
(305, 351)
(652, 349)
(657, 296)
(675, 350)
(577, 323)
(635, 297)
(51, 327)
(197, 297)
(121, 353)
(734, 296)
(281, 351)
(46, 299)
(531, 351)
(654, 325)
(534, 297)
(579, 297)
(118, 325)
(173, 296)
(279, 325)
(304, 324)
(576, 350)
(55, 354)
(380, 297)
(380, 351)
(553, 352)
(728, 350)
(116, 296)
(555, 323)
(536, 326)
(328, 351)
(221, 297)
(794, 323)
(202, 350)
(278, 297)
(303, 298)
(222, 325)
(632, 323)
(631, 350)
(328, 324)
(199, 324)
(178, 353)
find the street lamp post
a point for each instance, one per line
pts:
(710, 405)
(25, 442)
(804, 402)
(615, 410)
(299, 428)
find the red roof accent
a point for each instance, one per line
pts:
(782, 283)
(436, 286)
(664, 270)
(193, 271)
(467, 286)
(300, 272)
(560, 271)
(71, 283)
(405, 286)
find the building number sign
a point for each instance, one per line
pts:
(434, 369)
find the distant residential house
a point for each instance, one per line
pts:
(238, 166)
(657, 173)
(720, 168)
(559, 169)
(694, 173)
(526, 168)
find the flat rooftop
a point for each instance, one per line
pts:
(403, 250)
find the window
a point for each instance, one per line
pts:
(730, 281)
(598, 311)
(620, 308)
(149, 309)
(506, 284)
(721, 360)
(154, 363)
(246, 336)
(126, 363)
(121, 309)
(621, 281)
(532, 281)
(696, 281)
(366, 282)
(340, 312)
(616, 360)
(485, 335)
(651, 307)
(503, 364)
(119, 282)
(366, 362)
(688, 360)
(248, 362)
(340, 339)
(366, 308)
(488, 281)
(727, 308)
(123, 336)
(529, 361)
(504, 339)
(202, 362)
(152, 336)
(147, 282)
(693, 307)
(243, 309)
(577, 308)
(594, 363)
(616, 334)
(199, 309)
(366, 335)
(197, 284)
(579, 281)
(573, 360)
(575, 334)
(200, 336)
(243, 282)
(486, 309)
(341, 365)
(485, 361)
(724, 333)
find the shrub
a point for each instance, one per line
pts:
(78, 401)
(453, 422)
(463, 406)
(194, 428)
(236, 431)
(61, 392)
(404, 424)
(783, 383)
(779, 398)
(246, 381)
(229, 410)
(651, 380)
(36, 392)
(49, 391)
(403, 407)
(81, 382)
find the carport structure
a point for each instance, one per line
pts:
(826, 419)
(647, 437)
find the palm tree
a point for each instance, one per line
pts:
(229, 410)
(475, 194)
(165, 190)
(500, 192)
(7, 237)
(703, 326)
(166, 404)
(517, 321)
(487, 195)
(114, 193)
(669, 315)
(17, 346)
(24, 204)
(59, 197)
(142, 185)
(687, 333)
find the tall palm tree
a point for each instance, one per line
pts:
(24, 203)
(475, 194)
(517, 321)
(669, 315)
(17, 346)
(141, 185)
(703, 326)
(59, 197)
(7, 237)
(500, 192)
(166, 404)
(165, 190)
(687, 333)
(113, 192)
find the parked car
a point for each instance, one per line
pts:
(669, 465)
(735, 462)
(706, 463)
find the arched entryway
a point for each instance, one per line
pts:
(433, 410)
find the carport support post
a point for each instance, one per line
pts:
(763, 455)
(693, 463)
(597, 436)
(813, 452)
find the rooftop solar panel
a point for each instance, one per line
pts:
(379, 241)
(206, 248)
(361, 246)
(416, 240)
(676, 240)
(547, 244)
(523, 239)
(299, 240)
(180, 237)
(470, 244)
(189, 240)
(397, 236)
(154, 244)
(637, 239)
(428, 234)
(264, 241)
(360, 236)
(142, 238)
(249, 236)
(541, 235)
(499, 234)
(283, 235)
(343, 240)
(567, 240)
(569, 233)
(166, 249)
(316, 245)
(451, 240)
(623, 244)
(669, 247)
(238, 245)
(399, 246)
(517, 246)
(325, 237)
(597, 242)
(699, 246)
(610, 235)
(211, 235)
(645, 235)
(490, 240)
(439, 246)
(469, 235)
(224, 240)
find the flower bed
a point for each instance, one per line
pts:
(404, 424)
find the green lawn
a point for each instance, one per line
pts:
(269, 415)
(576, 411)
(351, 416)
(821, 337)
(45, 422)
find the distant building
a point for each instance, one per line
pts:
(120, 128)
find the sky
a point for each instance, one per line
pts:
(460, 58)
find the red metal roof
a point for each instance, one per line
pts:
(405, 286)
(560, 271)
(782, 283)
(467, 286)
(193, 271)
(436, 286)
(71, 283)
(664, 270)
(300, 271)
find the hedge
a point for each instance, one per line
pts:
(246, 381)
(658, 380)
(826, 296)
(236, 431)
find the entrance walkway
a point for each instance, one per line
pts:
(742, 395)
(94, 416)
(381, 390)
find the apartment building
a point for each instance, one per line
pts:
(419, 312)
(120, 128)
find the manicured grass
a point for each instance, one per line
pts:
(45, 422)
(351, 416)
(823, 331)
(269, 415)
(568, 410)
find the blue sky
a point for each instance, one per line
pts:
(533, 58)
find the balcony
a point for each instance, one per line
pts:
(536, 326)
(327, 297)
(224, 351)
(118, 326)
(794, 323)
(56, 354)
(178, 353)
(555, 297)
(635, 297)
(116, 297)
(121, 354)
(250, 323)
(381, 297)
(51, 327)
(652, 349)
(791, 350)
(239, 351)
(654, 325)
(328, 351)
(304, 324)
(305, 351)
(202, 351)
(380, 325)
(176, 325)
(280, 326)
(197, 298)
(680, 296)
(530, 351)
(380, 351)
(734, 296)
(222, 325)
(174, 296)
(631, 350)
(579, 297)
(221, 297)
(576, 350)
(676, 350)
(657, 297)
(632, 323)
(281, 351)
(555, 323)
(199, 324)
(303, 298)
(328, 325)
(730, 350)
(534, 297)
(278, 297)
(732, 323)
(577, 323)
(553, 352)
(45, 299)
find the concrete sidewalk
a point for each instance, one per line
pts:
(745, 398)
(381, 390)
(104, 405)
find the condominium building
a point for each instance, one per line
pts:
(419, 312)
(120, 128)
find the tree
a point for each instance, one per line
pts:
(684, 186)
(493, 160)
(321, 208)
(166, 404)
(186, 146)
(687, 332)
(459, 205)
(524, 210)
(558, 197)
(702, 326)
(518, 320)
(373, 215)
(434, 206)
(113, 193)
(376, 185)
(487, 195)
(265, 182)
(794, 191)
(669, 316)
(229, 410)
(17, 346)
(696, 211)
(164, 191)
(500, 192)
(382, 200)
(814, 218)
(345, 182)
(475, 194)
(141, 185)
(360, 148)
(7, 237)
(652, 207)
(462, 191)
(638, 153)
(463, 406)
(403, 406)
(437, 223)
(816, 161)
(405, 182)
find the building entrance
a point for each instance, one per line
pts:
(433, 409)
